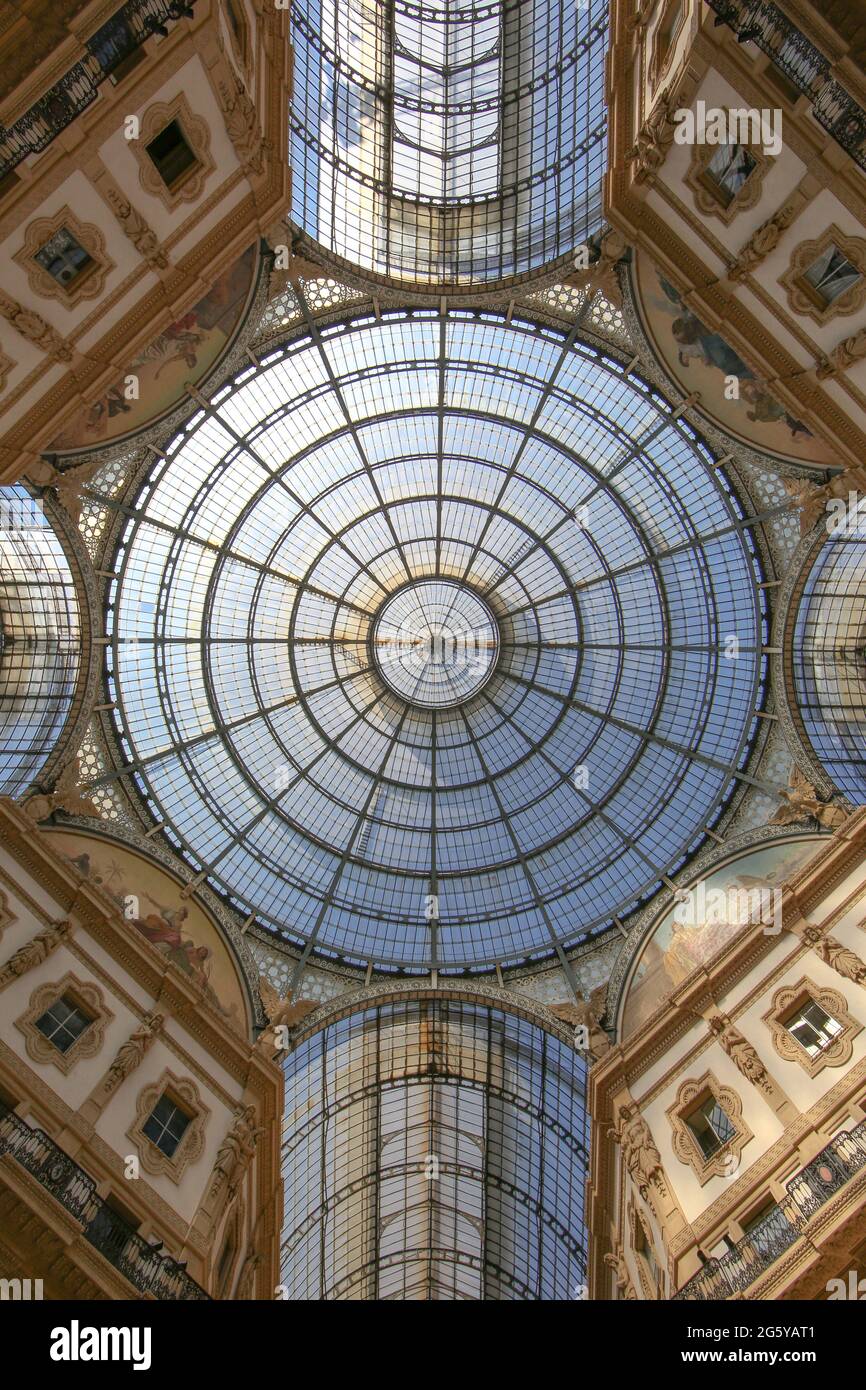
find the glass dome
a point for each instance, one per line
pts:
(829, 657)
(39, 639)
(436, 641)
(400, 108)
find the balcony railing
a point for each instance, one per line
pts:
(803, 64)
(126, 31)
(740, 1266)
(141, 1264)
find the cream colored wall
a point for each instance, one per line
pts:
(220, 1095)
(118, 156)
(691, 1056)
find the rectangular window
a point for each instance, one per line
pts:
(63, 1023)
(172, 155)
(813, 1028)
(727, 172)
(166, 1125)
(829, 277)
(64, 258)
(710, 1126)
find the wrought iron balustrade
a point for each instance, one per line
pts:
(803, 64)
(115, 41)
(812, 1187)
(140, 1263)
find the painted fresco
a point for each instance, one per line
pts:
(700, 359)
(184, 352)
(150, 901)
(674, 949)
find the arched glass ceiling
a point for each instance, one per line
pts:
(39, 640)
(829, 658)
(446, 142)
(535, 475)
(434, 1151)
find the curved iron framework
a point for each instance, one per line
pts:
(828, 658)
(434, 1150)
(622, 577)
(445, 142)
(39, 639)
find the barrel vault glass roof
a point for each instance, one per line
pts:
(444, 141)
(622, 630)
(829, 657)
(434, 1150)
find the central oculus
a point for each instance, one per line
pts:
(435, 643)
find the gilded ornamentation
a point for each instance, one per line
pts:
(785, 1002)
(844, 355)
(66, 486)
(64, 796)
(35, 330)
(654, 139)
(236, 1152)
(89, 998)
(840, 958)
(242, 124)
(617, 1262)
(691, 1094)
(282, 1013)
(802, 299)
(762, 242)
(184, 1093)
(130, 1053)
(741, 1053)
(34, 952)
(88, 282)
(642, 1158)
(143, 238)
(801, 802)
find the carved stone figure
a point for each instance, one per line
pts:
(840, 958)
(642, 1158)
(35, 330)
(34, 952)
(641, 18)
(801, 802)
(130, 1053)
(762, 242)
(601, 274)
(587, 1014)
(143, 238)
(844, 355)
(282, 1013)
(616, 1262)
(67, 485)
(741, 1053)
(246, 1281)
(242, 124)
(653, 139)
(64, 796)
(236, 1151)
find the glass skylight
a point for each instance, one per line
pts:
(434, 1150)
(40, 641)
(829, 657)
(447, 142)
(489, 804)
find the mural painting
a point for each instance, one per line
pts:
(150, 901)
(184, 352)
(683, 940)
(700, 360)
